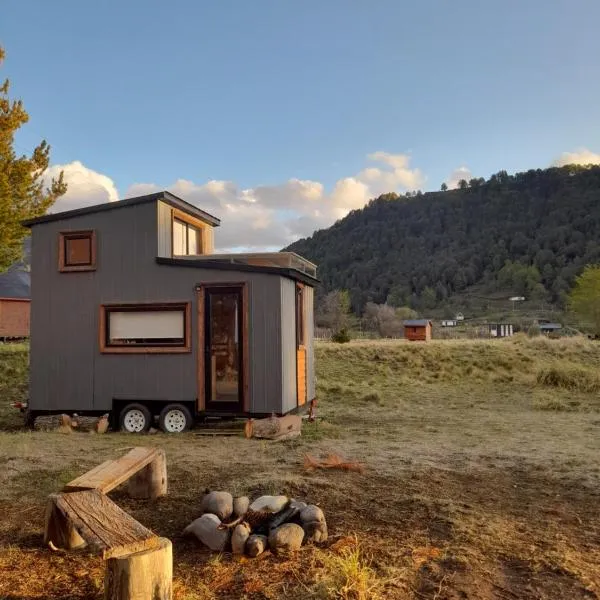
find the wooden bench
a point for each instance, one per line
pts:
(145, 469)
(139, 564)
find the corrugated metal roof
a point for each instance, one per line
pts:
(550, 326)
(416, 323)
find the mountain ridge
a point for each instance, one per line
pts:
(530, 233)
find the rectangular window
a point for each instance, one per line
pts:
(145, 328)
(186, 239)
(76, 251)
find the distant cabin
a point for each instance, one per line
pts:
(500, 330)
(449, 323)
(15, 293)
(417, 330)
(548, 328)
(459, 317)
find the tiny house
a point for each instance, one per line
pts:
(133, 313)
(417, 330)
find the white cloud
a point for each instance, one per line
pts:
(583, 156)
(458, 174)
(265, 216)
(85, 186)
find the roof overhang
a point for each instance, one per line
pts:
(164, 196)
(218, 265)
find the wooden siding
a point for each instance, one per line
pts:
(68, 372)
(288, 357)
(164, 230)
(14, 317)
(419, 333)
(309, 295)
(301, 375)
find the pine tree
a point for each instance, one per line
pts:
(23, 192)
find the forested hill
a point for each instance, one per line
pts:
(526, 234)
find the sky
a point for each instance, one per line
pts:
(281, 116)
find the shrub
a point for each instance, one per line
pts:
(341, 337)
(569, 378)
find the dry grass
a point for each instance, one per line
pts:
(469, 489)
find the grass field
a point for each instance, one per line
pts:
(482, 480)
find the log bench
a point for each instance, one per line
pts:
(139, 564)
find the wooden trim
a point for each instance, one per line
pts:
(197, 223)
(201, 367)
(102, 323)
(62, 236)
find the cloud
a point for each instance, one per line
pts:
(85, 186)
(458, 174)
(264, 216)
(583, 156)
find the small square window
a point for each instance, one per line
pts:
(77, 251)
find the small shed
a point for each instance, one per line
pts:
(500, 329)
(417, 330)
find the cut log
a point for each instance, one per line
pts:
(141, 576)
(59, 529)
(274, 428)
(99, 521)
(151, 481)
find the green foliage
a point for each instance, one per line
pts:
(23, 194)
(526, 234)
(584, 300)
(341, 337)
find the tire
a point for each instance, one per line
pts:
(135, 418)
(175, 418)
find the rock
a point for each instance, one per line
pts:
(271, 504)
(206, 530)
(240, 506)
(256, 544)
(239, 537)
(297, 504)
(285, 539)
(315, 531)
(312, 513)
(218, 503)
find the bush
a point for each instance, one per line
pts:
(569, 378)
(341, 337)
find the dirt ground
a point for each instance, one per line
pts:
(470, 490)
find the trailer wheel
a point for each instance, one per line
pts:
(175, 418)
(135, 418)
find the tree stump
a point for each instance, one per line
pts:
(143, 575)
(59, 529)
(151, 481)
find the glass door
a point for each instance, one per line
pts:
(223, 349)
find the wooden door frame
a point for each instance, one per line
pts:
(201, 363)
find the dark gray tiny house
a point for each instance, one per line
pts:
(133, 313)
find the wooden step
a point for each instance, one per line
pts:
(106, 528)
(112, 473)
